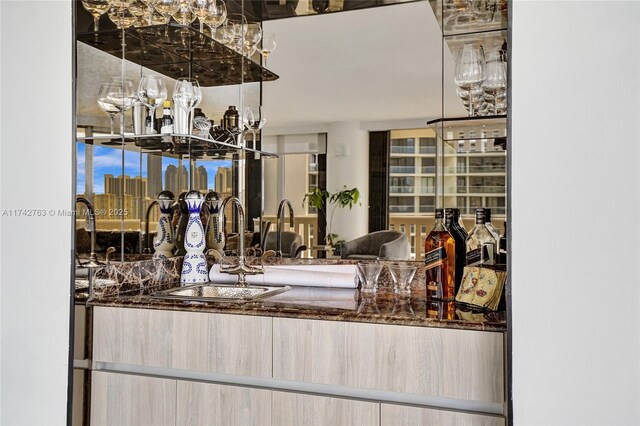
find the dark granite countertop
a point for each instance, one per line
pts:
(333, 305)
(131, 285)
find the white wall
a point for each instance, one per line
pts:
(36, 145)
(576, 213)
(348, 164)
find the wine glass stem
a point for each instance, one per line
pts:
(96, 22)
(112, 116)
(150, 15)
(201, 25)
(152, 117)
(253, 140)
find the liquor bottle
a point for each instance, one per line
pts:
(459, 235)
(480, 243)
(167, 119)
(439, 260)
(494, 232)
(230, 119)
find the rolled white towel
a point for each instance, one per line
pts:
(293, 277)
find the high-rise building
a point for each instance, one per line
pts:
(201, 179)
(224, 180)
(154, 175)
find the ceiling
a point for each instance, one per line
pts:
(373, 64)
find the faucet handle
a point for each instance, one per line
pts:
(110, 250)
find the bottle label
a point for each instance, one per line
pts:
(435, 257)
(166, 129)
(481, 255)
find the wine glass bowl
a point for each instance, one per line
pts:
(495, 83)
(122, 17)
(470, 71)
(217, 14)
(121, 93)
(268, 44)
(96, 8)
(152, 92)
(105, 104)
(186, 96)
(253, 120)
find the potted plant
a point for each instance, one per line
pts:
(322, 199)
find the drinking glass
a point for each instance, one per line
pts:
(470, 70)
(186, 96)
(402, 276)
(253, 120)
(495, 83)
(121, 93)
(105, 104)
(368, 274)
(184, 14)
(200, 9)
(216, 16)
(268, 45)
(150, 9)
(120, 3)
(152, 92)
(122, 17)
(96, 8)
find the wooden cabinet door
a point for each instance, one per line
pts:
(448, 363)
(294, 409)
(123, 399)
(400, 415)
(209, 404)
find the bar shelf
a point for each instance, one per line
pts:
(173, 145)
(175, 51)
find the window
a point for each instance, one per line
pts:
(427, 185)
(428, 166)
(427, 204)
(401, 205)
(402, 165)
(487, 164)
(427, 145)
(402, 185)
(403, 146)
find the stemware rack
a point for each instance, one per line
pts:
(173, 145)
(175, 50)
(455, 33)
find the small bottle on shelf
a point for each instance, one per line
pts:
(494, 232)
(459, 235)
(439, 259)
(230, 120)
(480, 243)
(167, 120)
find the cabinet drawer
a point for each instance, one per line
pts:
(121, 399)
(428, 361)
(399, 415)
(227, 344)
(294, 409)
(209, 404)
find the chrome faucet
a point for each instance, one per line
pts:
(241, 269)
(147, 245)
(93, 257)
(279, 224)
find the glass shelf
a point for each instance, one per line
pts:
(177, 51)
(173, 145)
(457, 17)
(453, 130)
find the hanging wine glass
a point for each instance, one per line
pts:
(139, 9)
(470, 71)
(167, 8)
(122, 17)
(96, 8)
(105, 104)
(200, 9)
(253, 120)
(186, 96)
(152, 92)
(268, 45)
(216, 16)
(495, 83)
(252, 38)
(184, 14)
(150, 9)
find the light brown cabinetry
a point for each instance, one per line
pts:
(419, 360)
(293, 409)
(210, 404)
(123, 399)
(400, 415)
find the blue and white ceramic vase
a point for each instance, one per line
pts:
(214, 234)
(194, 267)
(164, 241)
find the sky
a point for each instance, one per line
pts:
(108, 160)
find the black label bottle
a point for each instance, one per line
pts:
(480, 243)
(166, 122)
(459, 235)
(230, 119)
(439, 260)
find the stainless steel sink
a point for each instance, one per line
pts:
(220, 293)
